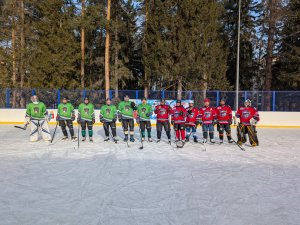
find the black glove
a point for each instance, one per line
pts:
(57, 117)
(73, 117)
(189, 111)
(215, 122)
(172, 122)
(93, 120)
(229, 122)
(114, 119)
(181, 113)
(132, 105)
(120, 119)
(148, 114)
(137, 120)
(78, 120)
(197, 122)
(101, 119)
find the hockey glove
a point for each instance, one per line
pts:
(93, 120)
(114, 119)
(78, 120)
(101, 119)
(229, 122)
(148, 114)
(73, 117)
(132, 105)
(57, 117)
(172, 122)
(138, 120)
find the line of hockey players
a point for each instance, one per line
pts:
(184, 120)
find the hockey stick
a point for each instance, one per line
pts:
(23, 128)
(140, 137)
(54, 132)
(78, 132)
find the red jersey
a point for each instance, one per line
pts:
(162, 112)
(192, 116)
(207, 114)
(178, 114)
(246, 114)
(224, 114)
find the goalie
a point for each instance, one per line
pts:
(249, 117)
(37, 117)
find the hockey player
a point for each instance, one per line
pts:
(86, 118)
(178, 118)
(37, 116)
(192, 121)
(224, 118)
(248, 119)
(144, 111)
(108, 116)
(126, 117)
(208, 116)
(163, 112)
(65, 117)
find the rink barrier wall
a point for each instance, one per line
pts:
(268, 119)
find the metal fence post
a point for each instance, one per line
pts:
(163, 93)
(7, 98)
(245, 93)
(218, 97)
(110, 94)
(58, 97)
(84, 94)
(136, 94)
(274, 101)
(190, 95)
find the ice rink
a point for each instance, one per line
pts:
(111, 184)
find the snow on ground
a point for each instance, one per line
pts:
(110, 184)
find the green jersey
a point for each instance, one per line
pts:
(126, 110)
(144, 111)
(86, 112)
(108, 112)
(36, 111)
(65, 111)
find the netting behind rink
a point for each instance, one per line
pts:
(262, 100)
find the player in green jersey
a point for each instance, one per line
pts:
(65, 117)
(86, 117)
(126, 117)
(144, 112)
(37, 117)
(108, 116)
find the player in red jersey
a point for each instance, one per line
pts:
(208, 116)
(163, 112)
(192, 121)
(178, 121)
(224, 118)
(249, 117)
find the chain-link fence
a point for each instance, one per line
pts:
(263, 100)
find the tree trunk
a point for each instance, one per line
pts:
(269, 58)
(82, 46)
(204, 84)
(179, 91)
(22, 73)
(14, 64)
(22, 45)
(116, 63)
(146, 85)
(107, 84)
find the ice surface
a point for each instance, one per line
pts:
(110, 184)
